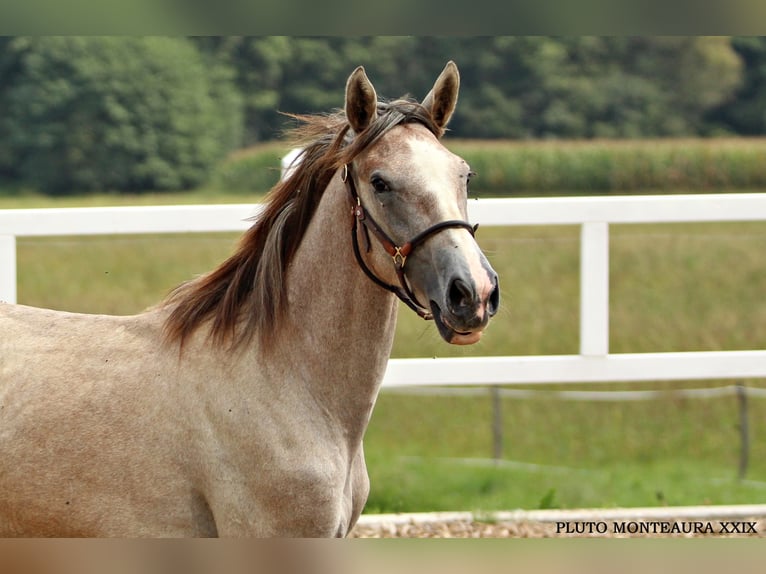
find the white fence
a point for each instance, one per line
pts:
(594, 363)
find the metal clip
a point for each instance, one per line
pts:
(399, 256)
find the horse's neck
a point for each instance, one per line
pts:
(341, 325)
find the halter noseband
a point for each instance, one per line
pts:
(398, 253)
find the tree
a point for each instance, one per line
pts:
(114, 113)
(582, 87)
(157, 113)
(745, 112)
(259, 65)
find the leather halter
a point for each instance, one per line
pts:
(398, 253)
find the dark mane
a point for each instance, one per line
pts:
(246, 294)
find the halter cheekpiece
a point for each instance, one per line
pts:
(398, 253)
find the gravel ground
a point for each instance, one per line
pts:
(459, 526)
(454, 529)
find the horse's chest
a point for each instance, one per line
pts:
(307, 496)
(319, 499)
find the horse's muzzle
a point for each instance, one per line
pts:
(467, 308)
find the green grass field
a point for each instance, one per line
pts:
(673, 288)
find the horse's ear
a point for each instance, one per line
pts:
(361, 100)
(442, 98)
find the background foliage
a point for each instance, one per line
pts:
(512, 87)
(154, 113)
(560, 167)
(113, 113)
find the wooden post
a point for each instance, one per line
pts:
(744, 431)
(497, 423)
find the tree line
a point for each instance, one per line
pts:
(139, 113)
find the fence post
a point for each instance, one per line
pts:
(8, 268)
(594, 289)
(744, 431)
(497, 423)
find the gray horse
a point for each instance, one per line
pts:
(237, 406)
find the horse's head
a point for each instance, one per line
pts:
(410, 194)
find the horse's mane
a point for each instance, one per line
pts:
(246, 294)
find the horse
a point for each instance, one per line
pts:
(236, 406)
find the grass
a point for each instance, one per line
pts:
(432, 485)
(673, 288)
(681, 287)
(32, 200)
(434, 453)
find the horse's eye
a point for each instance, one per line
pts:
(379, 184)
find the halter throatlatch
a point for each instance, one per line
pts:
(398, 253)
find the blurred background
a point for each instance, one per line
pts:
(135, 114)
(164, 120)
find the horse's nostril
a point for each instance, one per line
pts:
(460, 295)
(493, 303)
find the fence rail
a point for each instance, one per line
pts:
(594, 363)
